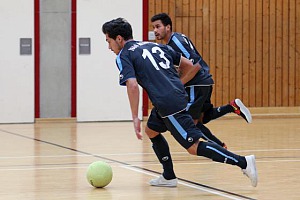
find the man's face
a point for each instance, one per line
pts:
(114, 45)
(160, 30)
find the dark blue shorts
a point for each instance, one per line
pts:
(199, 100)
(181, 126)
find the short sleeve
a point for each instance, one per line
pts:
(126, 69)
(175, 55)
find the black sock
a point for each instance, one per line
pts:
(219, 154)
(162, 151)
(209, 134)
(215, 113)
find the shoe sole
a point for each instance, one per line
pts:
(172, 183)
(164, 185)
(254, 184)
(244, 110)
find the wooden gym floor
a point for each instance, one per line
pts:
(48, 160)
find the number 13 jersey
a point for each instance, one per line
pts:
(152, 65)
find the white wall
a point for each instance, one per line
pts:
(99, 95)
(16, 71)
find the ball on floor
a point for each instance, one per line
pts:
(99, 174)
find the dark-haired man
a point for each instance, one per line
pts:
(151, 66)
(199, 90)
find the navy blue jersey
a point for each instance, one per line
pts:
(153, 66)
(184, 45)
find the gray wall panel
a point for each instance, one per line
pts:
(55, 63)
(55, 6)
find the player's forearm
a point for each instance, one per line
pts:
(133, 96)
(188, 73)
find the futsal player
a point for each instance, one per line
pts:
(199, 90)
(151, 66)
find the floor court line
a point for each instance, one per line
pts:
(126, 165)
(201, 187)
(140, 166)
(186, 183)
(135, 153)
(178, 162)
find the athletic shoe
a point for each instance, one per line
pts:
(241, 110)
(250, 170)
(162, 182)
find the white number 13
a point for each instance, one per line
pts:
(146, 53)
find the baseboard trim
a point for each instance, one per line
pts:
(56, 120)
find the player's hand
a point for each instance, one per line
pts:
(137, 128)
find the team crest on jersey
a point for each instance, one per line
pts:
(133, 47)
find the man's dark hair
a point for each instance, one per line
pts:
(117, 27)
(164, 18)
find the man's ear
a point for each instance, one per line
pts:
(168, 27)
(119, 38)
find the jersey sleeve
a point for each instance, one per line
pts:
(175, 55)
(182, 44)
(125, 67)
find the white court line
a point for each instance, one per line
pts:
(211, 163)
(145, 172)
(186, 184)
(41, 168)
(141, 165)
(267, 150)
(133, 169)
(270, 161)
(50, 156)
(128, 154)
(81, 155)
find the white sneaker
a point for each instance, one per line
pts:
(162, 182)
(250, 170)
(241, 110)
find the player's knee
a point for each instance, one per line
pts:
(193, 149)
(150, 133)
(196, 121)
(201, 118)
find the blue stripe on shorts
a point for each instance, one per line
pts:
(178, 127)
(192, 97)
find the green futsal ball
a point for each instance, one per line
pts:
(99, 174)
